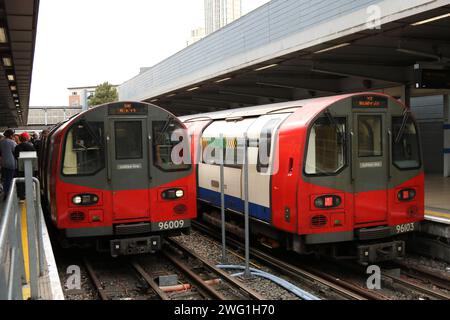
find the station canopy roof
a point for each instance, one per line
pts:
(367, 60)
(18, 24)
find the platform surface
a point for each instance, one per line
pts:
(437, 198)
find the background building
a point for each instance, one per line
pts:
(218, 13)
(44, 116)
(79, 96)
(196, 34)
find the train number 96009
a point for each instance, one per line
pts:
(168, 225)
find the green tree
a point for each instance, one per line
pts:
(104, 93)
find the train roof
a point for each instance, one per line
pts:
(308, 107)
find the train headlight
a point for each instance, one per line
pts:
(86, 199)
(76, 200)
(172, 194)
(179, 193)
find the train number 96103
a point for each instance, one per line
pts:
(407, 227)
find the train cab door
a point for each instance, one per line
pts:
(128, 169)
(370, 161)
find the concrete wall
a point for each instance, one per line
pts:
(429, 114)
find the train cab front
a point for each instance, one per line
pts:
(123, 178)
(364, 177)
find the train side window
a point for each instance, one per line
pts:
(326, 150)
(128, 136)
(265, 142)
(405, 150)
(369, 136)
(167, 135)
(84, 150)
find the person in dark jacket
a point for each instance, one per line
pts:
(7, 161)
(24, 146)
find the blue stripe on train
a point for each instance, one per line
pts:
(447, 151)
(447, 126)
(256, 211)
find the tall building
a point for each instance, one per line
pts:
(196, 34)
(218, 13)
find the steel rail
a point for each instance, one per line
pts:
(224, 275)
(149, 280)
(421, 273)
(417, 287)
(343, 288)
(194, 277)
(98, 285)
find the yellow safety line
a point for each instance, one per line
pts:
(437, 214)
(26, 288)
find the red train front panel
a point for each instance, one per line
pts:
(119, 171)
(342, 169)
(358, 174)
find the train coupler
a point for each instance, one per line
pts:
(379, 252)
(130, 246)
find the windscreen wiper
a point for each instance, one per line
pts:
(164, 129)
(93, 133)
(333, 122)
(406, 115)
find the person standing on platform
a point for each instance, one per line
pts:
(7, 160)
(38, 143)
(24, 146)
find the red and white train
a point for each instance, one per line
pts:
(108, 177)
(344, 173)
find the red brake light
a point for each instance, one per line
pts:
(406, 194)
(328, 201)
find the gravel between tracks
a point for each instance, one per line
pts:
(212, 251)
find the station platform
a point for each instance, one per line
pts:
(437, 199)
(49, 285)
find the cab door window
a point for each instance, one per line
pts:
(370, 136)
(166, 136)
(405, 144)
(326, 151)
(84, 149)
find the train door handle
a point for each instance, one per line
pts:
(389, 156)
(108, 160)
(150, 157)
(291, 166)
(352, 175)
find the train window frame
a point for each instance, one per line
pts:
(418, 141)
(359, 122)
(182, 167)
(117, 144)
(64, 149)
(268, 129)
(345, 152)
(226, 154)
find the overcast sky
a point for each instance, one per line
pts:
(87, 42)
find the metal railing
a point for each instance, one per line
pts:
(12, 267)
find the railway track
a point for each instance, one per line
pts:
(415, 281)
(118, 281)
(342, 288)
(129, 280)
(233, 288)
(433, 278)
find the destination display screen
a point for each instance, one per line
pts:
(368, 102)
(127, 109)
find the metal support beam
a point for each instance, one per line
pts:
(447, 135)
(274, 93)
(371, 72)
(322, 85)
